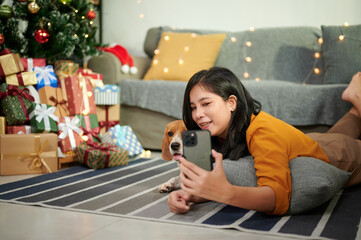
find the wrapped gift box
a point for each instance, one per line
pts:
(79, 95)
(37, 154)
(23, 129)
(90, 126)
(21, 79)
(54, 97)
(45, 77)
(95, 78)
(108, 116)
(124, 137)
(10, 63)
(30, 63)
(69, 134)
(66, 67)
(107, 95)
(42, 118)
(101, 155)
(15, 101)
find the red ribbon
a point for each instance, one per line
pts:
(99, 147)
(62, 103)
(93, 133)
(21, 93)
(107, 124)
(20, 79)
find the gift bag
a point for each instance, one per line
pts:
(124, 137)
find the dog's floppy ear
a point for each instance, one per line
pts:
(165, 146)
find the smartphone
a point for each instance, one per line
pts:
(197, 148)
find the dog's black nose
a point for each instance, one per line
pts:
(175, 146)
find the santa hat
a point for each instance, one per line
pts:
(124, 57)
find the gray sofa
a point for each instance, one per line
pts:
(281, 76)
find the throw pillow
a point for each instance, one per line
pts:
(180, 55)
(342, 57)
(313, 181)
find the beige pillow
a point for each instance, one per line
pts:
(180, 55)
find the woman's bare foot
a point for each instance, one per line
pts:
(352, 93)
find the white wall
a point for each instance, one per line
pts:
(122, 24)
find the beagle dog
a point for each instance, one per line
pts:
(172, 149)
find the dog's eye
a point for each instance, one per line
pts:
(170, 134)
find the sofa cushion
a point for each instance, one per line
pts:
(180, 55)
(285, 53)
(342, 57)
(313, 181)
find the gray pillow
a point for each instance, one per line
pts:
(313, 181)
(342, 59)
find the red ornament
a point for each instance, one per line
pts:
(2, 38)
(90, 15)
(41, 36)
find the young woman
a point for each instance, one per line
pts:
(216, 100)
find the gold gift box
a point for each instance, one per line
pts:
(10, 64)
(28, 153)
(2, 125)
(27, 78)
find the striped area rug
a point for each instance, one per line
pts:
(131, 191)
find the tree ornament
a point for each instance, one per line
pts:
(6, 11)
(33, 7)
(91, 14)
(2, 38)
(41, 36)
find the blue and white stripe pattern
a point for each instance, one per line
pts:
(131, 192)
(107, 95)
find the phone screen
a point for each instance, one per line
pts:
(197, 148)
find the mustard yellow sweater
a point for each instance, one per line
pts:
(273, 143)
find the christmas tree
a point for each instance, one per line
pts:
(51, 29)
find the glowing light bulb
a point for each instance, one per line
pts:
(141, 15)
(248, 43)
(346, 24)
(166, 37)
(257, 79)
(85, 138)
(233, 39)
(316, 70)
(251, 29)
(75, 35)
(248, 59)
(91, 22)
(156, 51)
(193, 35)
(86, 35)
(139, 2)
(180, 61)
(155, 61)
(165, 70)
(341, 37)
(320, 40)
(246, 75)
(317, 55)
(186, 48)
(82, 17)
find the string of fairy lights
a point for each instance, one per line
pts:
(247, 58)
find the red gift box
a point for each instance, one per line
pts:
(78, 92)
(30, 63)
(95, 78)
(69, 134)
(23, 129)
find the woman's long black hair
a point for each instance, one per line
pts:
(224, 83)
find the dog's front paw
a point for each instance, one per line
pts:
(166, 188)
